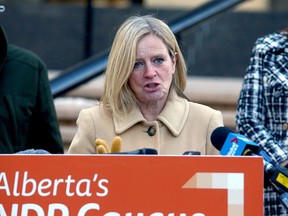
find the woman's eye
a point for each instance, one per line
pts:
(158, 60)
(138, 64)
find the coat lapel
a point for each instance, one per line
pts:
(173, 116)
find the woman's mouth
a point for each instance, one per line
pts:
(151, 85)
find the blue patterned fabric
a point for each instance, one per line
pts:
(262, 113)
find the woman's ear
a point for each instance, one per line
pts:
(174, 60)
(175, 56)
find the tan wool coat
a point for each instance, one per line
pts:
(181, 126)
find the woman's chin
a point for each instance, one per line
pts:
(154, 97)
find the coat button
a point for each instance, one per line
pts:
(151, 131)
(277, 94)
(284, 126)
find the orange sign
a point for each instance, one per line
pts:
(129, 185)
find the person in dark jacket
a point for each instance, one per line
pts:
(27, 113)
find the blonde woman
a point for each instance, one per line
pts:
(143, 100)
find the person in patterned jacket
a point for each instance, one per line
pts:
(262, 113)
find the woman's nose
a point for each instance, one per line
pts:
(150, 71)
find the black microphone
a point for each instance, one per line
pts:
(143, 151)
(232, 144)
(192, 153)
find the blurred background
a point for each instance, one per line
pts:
(57, 29)
(65, 33)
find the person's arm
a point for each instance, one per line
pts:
(251, 116)
(44, 132)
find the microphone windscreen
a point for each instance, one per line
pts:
(218, 137)
(101, 146)
(116, 144)
(33, 151)
(101, 150)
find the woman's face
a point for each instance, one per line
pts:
(151, 77)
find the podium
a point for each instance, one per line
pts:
(129, 185)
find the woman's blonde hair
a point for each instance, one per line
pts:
(117, 95)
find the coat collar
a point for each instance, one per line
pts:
(173, 116)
